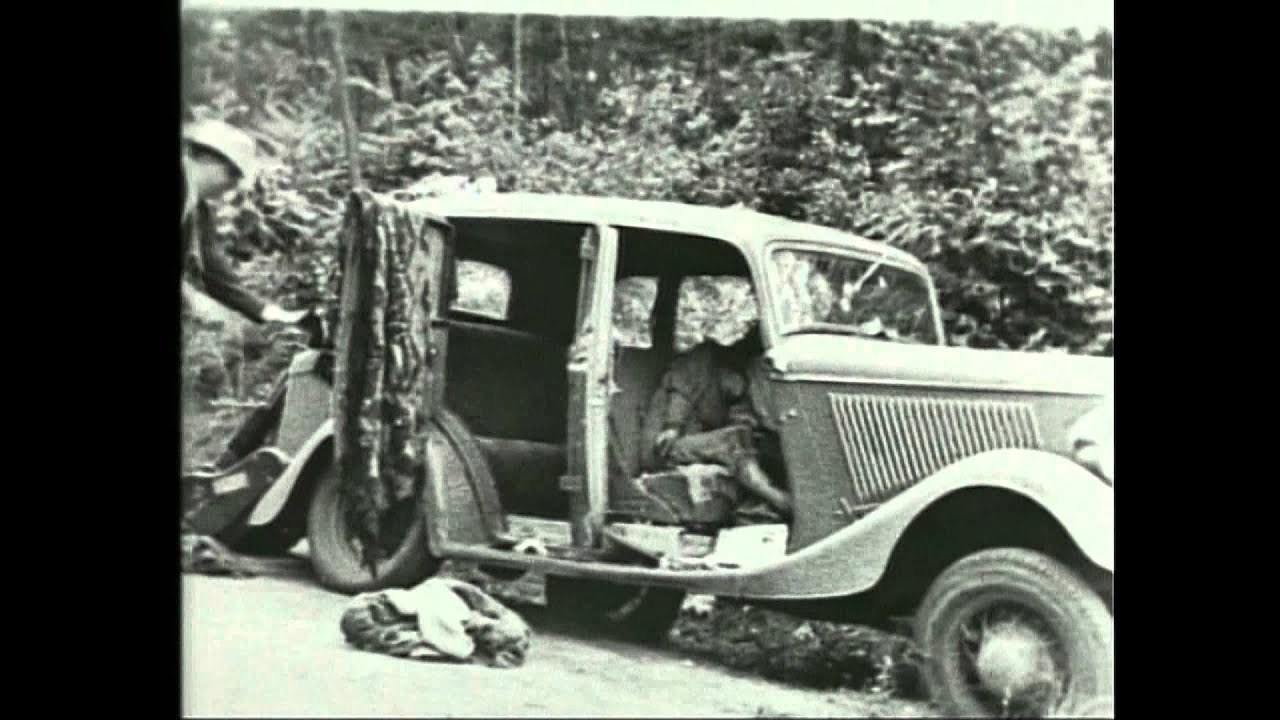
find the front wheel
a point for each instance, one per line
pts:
(335, 552)
(1012, 632)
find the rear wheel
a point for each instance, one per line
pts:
(336, 553)
(644, 614)
(1012, 632)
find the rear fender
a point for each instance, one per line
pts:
(304, 425)
(854, 559)
(278, 495)
(308, 397)
(461, 491)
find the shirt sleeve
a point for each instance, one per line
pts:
(679, 404)
(684, 384)
(759, 397)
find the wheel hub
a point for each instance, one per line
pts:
(1014, 661)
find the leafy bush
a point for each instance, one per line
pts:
(812, 653)
(985, 151)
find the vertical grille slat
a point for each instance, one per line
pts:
(892, 455)
(918, 440)
(853, 460)
(1018, 436)
(893, 442)
(866, 459)
(942, 442)
(971, 426)
(953, 429)
(1004, 434)
(988, 426)
(914, 449)
(876, 455)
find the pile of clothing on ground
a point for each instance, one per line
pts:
(204, 555)
(442, 619)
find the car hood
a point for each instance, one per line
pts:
(855, 359)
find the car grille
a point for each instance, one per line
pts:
(890, 443)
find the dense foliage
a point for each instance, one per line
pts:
(985, 151)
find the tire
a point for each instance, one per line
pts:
(336, 561)
(1041, 600)
(641, 614)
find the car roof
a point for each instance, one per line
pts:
(743, 227)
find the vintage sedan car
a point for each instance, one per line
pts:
(970, 489)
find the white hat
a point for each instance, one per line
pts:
(232, 144)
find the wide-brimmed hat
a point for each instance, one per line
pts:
(228, 142)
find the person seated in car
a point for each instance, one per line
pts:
(703, 412)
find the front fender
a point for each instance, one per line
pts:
(277, 496)
(854, 559)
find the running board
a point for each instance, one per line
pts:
(713, 582)
(552, 533)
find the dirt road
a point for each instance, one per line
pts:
(271, 647)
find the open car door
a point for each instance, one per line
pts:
(590, 381)
(388, 357)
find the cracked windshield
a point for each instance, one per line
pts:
(826, 293)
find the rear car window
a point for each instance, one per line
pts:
(716, 307)
(633, 299)
(483, 290)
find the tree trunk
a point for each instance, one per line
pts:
(387, 85)
(312, 29)
(566, 72)
(544, 74)
(350, 132)
(391, 71)
(790, 37)
(456, 50)
(711, 58)
(517, 69)
(840, 52)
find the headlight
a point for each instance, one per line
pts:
(1092, 440)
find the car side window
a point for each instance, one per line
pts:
(483, 290)
(633, 299)
(717, 307)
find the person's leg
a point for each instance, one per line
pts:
(716, 447)
(253, 431)
(233, 352)
(754, 479)
(732, 448)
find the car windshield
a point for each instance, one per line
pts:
(839, 294)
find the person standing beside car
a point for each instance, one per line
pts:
(216, 157)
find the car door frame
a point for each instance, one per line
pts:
(590, 380)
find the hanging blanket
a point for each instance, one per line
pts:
(390, 252)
